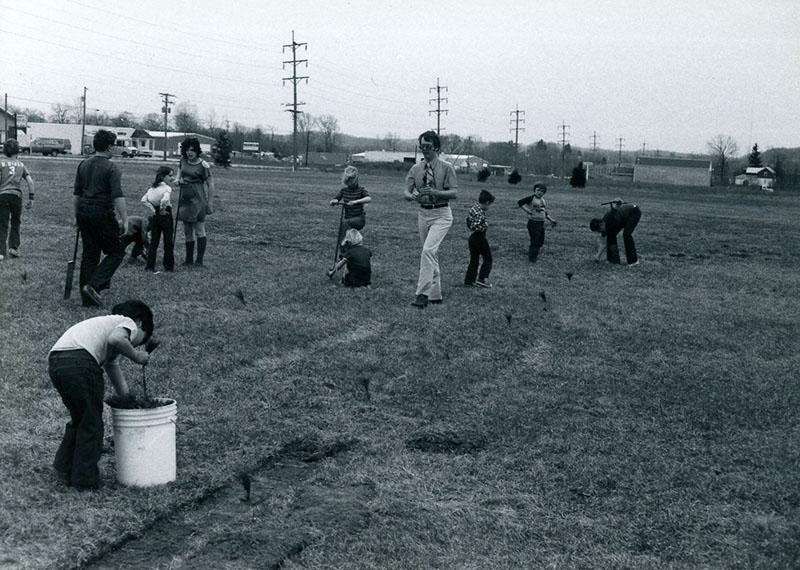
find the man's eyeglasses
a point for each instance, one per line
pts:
(426, 146)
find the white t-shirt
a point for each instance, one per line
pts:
(92, 336)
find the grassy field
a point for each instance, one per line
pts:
(638, 418)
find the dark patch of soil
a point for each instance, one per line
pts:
(447, 442)
(137, 403)
(287, 511)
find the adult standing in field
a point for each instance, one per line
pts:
(102, 217)
(621, 217)
(12, 173)
(432, 184)
(196, 190)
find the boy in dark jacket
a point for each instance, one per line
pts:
(621, 217)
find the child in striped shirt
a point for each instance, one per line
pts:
(352, 198)
(478, 246)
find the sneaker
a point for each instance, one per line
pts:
(420, 302)
(2, 258)
(92, 295)
(469, 284)
(13, 252)
(436, 301)
(483, 284)
(632, 264)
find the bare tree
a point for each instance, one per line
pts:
(305, 127)
(722, 148)
(61, 112)
(212, 119)
(390, 141)
(153, 122)
(329, 128)
(186, 117)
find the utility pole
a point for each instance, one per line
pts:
(166, 110)
(5, 120)
(439, 109)
(594, 144)
(644, 145)
(83, 122)
(619, 141)
(295, 79)
(563, 134)
(516, 121)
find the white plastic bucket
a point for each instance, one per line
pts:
(144, 444)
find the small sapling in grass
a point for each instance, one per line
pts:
(543, 296)
(246, 482)
(508, 317)
(239, 294)
(569, 275)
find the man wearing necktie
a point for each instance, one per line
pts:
(432, 184)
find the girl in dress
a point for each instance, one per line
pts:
(196, 190)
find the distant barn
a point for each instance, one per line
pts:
(676, 171)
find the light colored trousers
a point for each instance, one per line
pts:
(433, 226)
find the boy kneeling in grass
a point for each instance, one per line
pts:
(76, 363)
(357, 258)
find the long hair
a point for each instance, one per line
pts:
(191, 143)
(161, 173)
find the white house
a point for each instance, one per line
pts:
(761, 176)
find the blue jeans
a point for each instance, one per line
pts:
(79, 380)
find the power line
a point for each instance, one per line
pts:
(619, 142)
(516, 121)
(166, 110)
(295, 79)
(438, 100)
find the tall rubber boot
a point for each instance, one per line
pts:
(201, 249)
(189, 253)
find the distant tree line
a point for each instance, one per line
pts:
(323, 134)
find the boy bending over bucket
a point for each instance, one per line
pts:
(76, 363)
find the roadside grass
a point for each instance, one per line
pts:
(639, 417)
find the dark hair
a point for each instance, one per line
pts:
(594, 225)
(540, 185)
(161, 173)
(432, 137)
(137, 311)
(11, 147)
(191, 143)
(103, 139)
(485, 197)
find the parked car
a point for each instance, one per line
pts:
(123, 151)
(144, 152)
(53, 147)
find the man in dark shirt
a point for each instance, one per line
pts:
(621, 217)
(101, 215)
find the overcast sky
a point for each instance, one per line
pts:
(669, 75)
